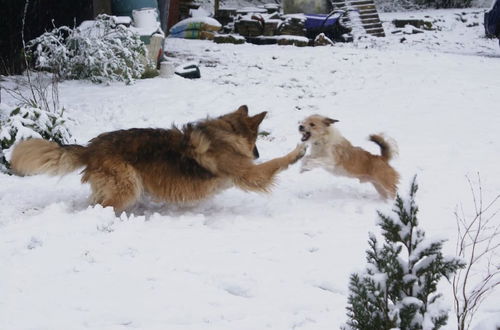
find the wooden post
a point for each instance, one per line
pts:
(216, 7)
(163, 8)
(173, 13)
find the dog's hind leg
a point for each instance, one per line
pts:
(390, 181)
(380, 189)
(116, 184)
(387, 186)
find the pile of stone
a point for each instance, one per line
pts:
(293, 25)
(252, 25)
(256, 24)
(411, 26)
(229, 39)
(264, 25)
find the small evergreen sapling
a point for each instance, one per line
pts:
(26, 122)
(398, 287)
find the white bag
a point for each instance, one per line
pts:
(145, 18)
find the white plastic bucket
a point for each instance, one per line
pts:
(167, 70)
(145, 18)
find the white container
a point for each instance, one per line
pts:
(145, 18)
(167, 70)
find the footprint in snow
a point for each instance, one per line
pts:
(34, 243)
(236, 290)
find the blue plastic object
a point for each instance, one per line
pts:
(492, 20)
(318, 21)
(330, 25)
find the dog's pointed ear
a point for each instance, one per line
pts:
(243, 111)
(328, 121)
(257, 119)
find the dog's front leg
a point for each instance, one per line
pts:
(306, 164)
(309, 163)
(260, 177)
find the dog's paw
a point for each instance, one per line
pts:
(299, 152)
(302, 149)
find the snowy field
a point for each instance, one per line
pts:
(242, 260)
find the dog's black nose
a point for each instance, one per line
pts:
(255, 152)
(301, 128)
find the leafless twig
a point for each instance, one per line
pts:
(478, 242)
(40, 90)
(34, 89)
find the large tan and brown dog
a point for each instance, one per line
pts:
(330, 150)
(173, 165)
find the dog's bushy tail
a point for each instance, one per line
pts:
(37, 156)
(388, 147)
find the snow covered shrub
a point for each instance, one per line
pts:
(102, 51)
(400, 5)
(398, 287)
(29, 122)
(445, 3)
(396, 5)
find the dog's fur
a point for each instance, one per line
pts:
(330, 150)
(174, 165)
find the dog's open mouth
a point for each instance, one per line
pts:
(305, 136)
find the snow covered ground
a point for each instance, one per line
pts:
(244, 260)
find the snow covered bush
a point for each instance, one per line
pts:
(100, 51)
(398, 287)
(29, 122)
(396, 5)
(400, 5)
(445, 3)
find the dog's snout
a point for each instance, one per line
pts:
(301, 128)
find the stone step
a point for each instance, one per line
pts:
(376, 31)
(370, 20)
(372, 26)
(368, 11)
(351, 3)
(368, 15)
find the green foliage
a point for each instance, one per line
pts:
(29, 122)
(398, 286)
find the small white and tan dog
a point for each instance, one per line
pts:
(331, 151)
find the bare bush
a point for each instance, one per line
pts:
(35, 89)
(36, 112)
(478, 242)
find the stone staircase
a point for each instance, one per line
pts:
(361, 13)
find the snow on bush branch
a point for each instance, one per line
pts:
(103, 52)
(398, 287)
(402, 5)
(25, 122)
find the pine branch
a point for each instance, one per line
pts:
(409, 278)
